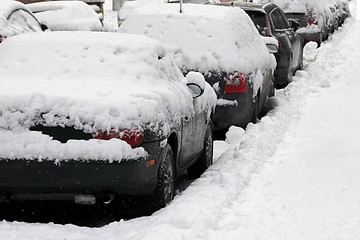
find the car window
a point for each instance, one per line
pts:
(278, 20)
(259, 20)
(24, 21)
(284, 20)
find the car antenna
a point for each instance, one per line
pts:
(181, 2)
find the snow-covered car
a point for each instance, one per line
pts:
(16, 18)
(271, 21)
(67, 16)
(343, 11)
(88, 116)
(220, 42)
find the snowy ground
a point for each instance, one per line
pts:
(293, 175)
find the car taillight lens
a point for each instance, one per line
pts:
(235, 83)
(268, 33)
(312, 19)
(133, 137)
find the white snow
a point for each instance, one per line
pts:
(18, 25)
(66, 16)
(293, 175)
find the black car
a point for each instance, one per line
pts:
(88, 123)
(16, 18)
(271, 21)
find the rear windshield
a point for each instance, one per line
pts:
(259, 20)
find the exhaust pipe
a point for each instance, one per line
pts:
(107, 198)
(89, 199)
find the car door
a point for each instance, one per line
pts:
(294, 38)
(193, 134)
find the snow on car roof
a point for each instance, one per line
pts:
(66, 15)
(203, 37)
(300, 5)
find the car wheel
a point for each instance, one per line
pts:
(165, 188)
(206, 158)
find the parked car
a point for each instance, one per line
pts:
(271, 21)
(314, 17)
(220, 42)
(67, 15)
(95, 115)
(16, 18)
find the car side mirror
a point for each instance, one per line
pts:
(294, 24)
(273, 48)
(271, 44)
(195, 90)
(43, 27)
(195, 82)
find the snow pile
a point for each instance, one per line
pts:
(90, 81)
(66, 16)
(204, 37)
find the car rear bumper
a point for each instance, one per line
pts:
(315, 37)
(127, 177)
(237, 112)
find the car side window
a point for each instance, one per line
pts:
(275, 20)
(278, 20)
(285, 20)
(24, 21)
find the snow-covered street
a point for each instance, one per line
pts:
(293, 175)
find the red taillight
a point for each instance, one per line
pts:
(235, 83)
(312, 19)
(133, 137)
(268, 33)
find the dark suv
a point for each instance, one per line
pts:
(271, 21)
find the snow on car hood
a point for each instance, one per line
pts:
(92, 81)
(203, 37)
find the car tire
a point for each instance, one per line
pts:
(165, 189)
(206, 158)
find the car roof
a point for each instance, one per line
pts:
(193, 35)
(260, 7)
